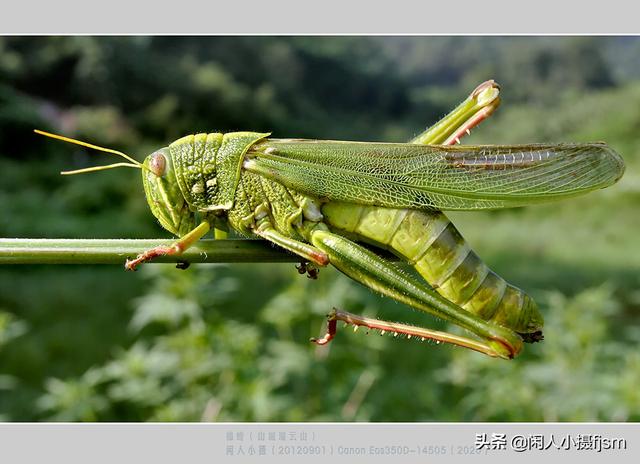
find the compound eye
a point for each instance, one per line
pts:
(158, 164)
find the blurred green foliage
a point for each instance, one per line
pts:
(231, 342)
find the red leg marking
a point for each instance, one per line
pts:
(465, 129)
(148, 255)
(410, 332)
(321, 259)
(331, 330)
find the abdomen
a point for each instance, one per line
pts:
(434, 247)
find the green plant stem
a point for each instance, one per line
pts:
(116, 251)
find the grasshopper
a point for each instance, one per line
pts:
(322, 199)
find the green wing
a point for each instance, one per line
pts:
(461, 177)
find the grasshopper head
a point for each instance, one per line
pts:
(163, 193)
(160, 184)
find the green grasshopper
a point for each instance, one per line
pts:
(318, 198)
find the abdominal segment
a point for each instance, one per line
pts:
(433, 246)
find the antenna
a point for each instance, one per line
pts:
(132, 162)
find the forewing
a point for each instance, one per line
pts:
(461, 177)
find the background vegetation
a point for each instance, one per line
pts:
(230, 342)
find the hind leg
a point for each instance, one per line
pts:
(378, 274)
